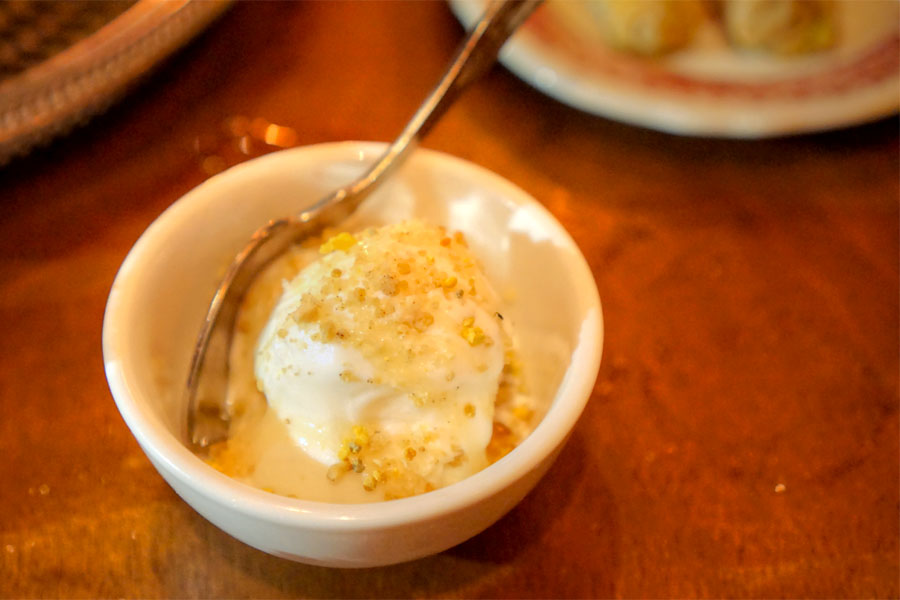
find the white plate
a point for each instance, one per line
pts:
(710, 89)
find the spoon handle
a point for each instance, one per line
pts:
(207, 416)
(475, 57)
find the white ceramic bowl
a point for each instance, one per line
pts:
(163, 287)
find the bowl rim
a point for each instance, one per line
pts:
(164, 448)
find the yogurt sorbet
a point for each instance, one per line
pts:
(370, 366)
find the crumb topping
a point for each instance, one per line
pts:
(381, 293)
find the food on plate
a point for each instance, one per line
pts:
(372, 365)
(782, 27)
(647, 27)
(651, 28)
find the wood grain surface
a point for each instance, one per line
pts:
(742, 438)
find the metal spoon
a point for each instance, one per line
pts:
(207, 415)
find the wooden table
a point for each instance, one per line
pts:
(742, 438)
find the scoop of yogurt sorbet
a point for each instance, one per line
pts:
(384, 359)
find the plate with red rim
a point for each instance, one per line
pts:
(710, 88)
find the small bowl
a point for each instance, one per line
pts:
(164, 286)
